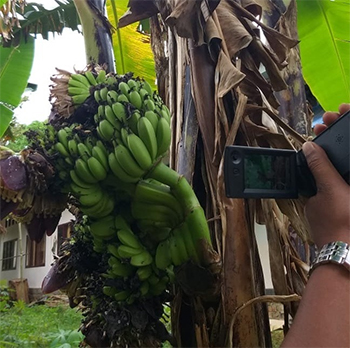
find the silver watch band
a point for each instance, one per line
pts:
(335, 252)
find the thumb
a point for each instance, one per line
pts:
(321, 167)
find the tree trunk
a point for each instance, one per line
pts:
(218, 97)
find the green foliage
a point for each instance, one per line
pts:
(40, 327)
(15, 138)
(15, 66)
(324, 32)
(132, 49)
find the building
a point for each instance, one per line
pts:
(21, 258)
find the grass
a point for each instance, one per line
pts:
(51, 327)
(39, 326)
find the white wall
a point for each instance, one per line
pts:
(34, 275)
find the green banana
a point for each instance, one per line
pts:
(133, 84)
(144, 289)
(135, 99)
(147, 87)
(77, 91)
(124, 88)
(163, 135)
(97, 169)
(97, 96)
(118, 171)
(83, 151)
(112, 97)
(78, 84)
(79, 190)
(163, 257)
(128, 238)
(144, 94)
(62, 149)
(180, 244)
(113, 250)
(144, 272)
(122, 295)
(109, 291)
(148, 136)
(103, 93)
(80, 78)
(154, 212)
(160, 287)
(101, 76)
(111, 117)
(73, 147)
(83, 171)
(142, 259)
(91, 199)
(153, 118)
(127, 161)
(91, 78)
(118, 268)
(79, 182)
(128, 252)
(119, 111)
(120, 223)
(174, 252)
(149, 105)
(122, 98)
(139, 151)
(101, 156)
(150, 192)
(101, 209)
(80, 98)
(62, 137)
(106, 130)
(133, 120)
(103, 228)
(189, 244)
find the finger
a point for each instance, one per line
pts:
(319, 128)
(329, 117)
(322, 169)
(343, 108)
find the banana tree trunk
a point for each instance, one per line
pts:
(218, 96)
(97, 32)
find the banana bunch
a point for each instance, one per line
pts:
(136, 122)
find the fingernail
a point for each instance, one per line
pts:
(308, 148)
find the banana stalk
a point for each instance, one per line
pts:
(194, 214)
(97, 32)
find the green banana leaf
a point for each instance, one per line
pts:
(15, 66)
(324, 33)
(2, 2)
(132, 49)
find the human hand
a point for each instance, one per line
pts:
(328, 212)
(329, 117)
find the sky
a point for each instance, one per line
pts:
(65, 51)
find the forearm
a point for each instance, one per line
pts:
(323, 317)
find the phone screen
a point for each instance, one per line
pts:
(267, 172)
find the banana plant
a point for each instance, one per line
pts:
(325, 49)
(17, 45)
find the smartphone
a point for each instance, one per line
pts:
(254, 172)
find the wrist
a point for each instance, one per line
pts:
(325, 238)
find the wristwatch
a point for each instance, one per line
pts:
(335, 252)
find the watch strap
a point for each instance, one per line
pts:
(334, 252)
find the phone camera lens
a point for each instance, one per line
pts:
(236, 157)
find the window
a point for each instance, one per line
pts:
(63, 232)
(35, 256)
(9, 255)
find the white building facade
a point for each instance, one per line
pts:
(21, 258)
